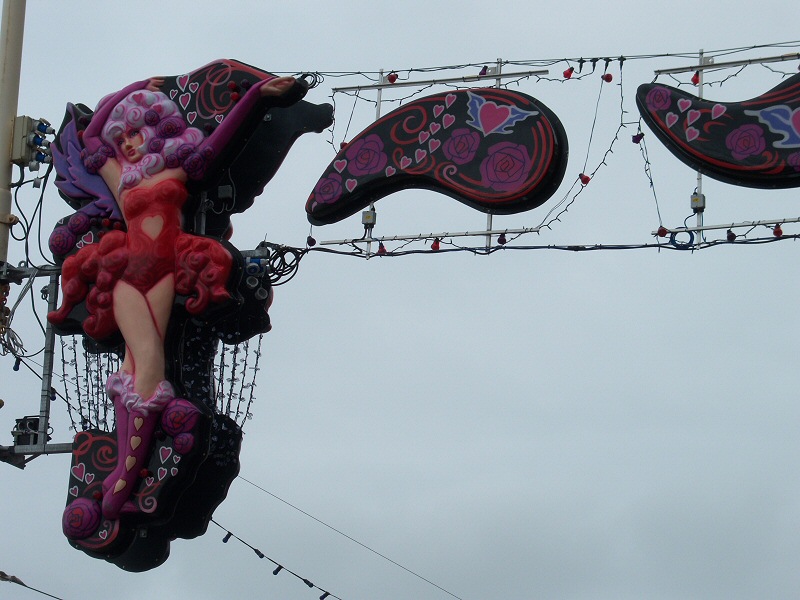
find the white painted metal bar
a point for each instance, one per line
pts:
(767, 223)
(426, 236)
(721, 65)
(465, 79)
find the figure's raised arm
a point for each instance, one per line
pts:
(247, 112)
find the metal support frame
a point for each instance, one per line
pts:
(20, 454)
(490, 73)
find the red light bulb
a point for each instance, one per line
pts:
(696, 78)
(662, 231)
(311, 242)
(731, 236)
(777, 232)
(435, 245)
(381, 249)
(502, 239)
(568, 73)
(585, 179)
(637, 138)
(607, 77)
(392, 77)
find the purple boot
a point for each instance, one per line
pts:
(133, 451)
(117, 386)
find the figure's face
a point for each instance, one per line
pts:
(128, 144)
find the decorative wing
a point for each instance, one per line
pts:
(753, 143)
(495, 150)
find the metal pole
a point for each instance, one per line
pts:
(498, 82)
(11, 30)
(47, 364)
(699, 174)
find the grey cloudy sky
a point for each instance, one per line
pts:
(533, 424)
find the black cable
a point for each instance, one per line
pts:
(349, 538)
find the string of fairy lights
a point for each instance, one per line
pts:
(566, 71)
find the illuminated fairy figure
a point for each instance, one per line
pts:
(139, 143)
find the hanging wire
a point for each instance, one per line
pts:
(279, 567)
(18, 581)
(348, 537)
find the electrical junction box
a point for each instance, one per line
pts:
(368, 218)
(698, 202)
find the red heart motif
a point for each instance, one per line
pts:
(191, 117)
(173, 471)
(339, 165)
(718, 110)
(73, 491)
(390, 171)
(692, 116)
(423, 136)
(78, 471)
(219, 118)
(435, 127)
(684, 104)
(438, 110)
(182, 81)
(405, 162)
(692, 134)
(193, 87)
(420, 155)
(166, 452)
(491, 116)
(172, 94)
(162, 472)
(671, 119)
(350, 184)
(449, 99)
(89, 478)
(103, 534)
(448, 120)
(433, 145)
(183, 100)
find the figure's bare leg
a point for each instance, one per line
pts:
(142, 320)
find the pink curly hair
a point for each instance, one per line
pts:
(167, 138)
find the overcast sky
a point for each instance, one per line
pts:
(532, 424)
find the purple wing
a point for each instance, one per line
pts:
(77, 186)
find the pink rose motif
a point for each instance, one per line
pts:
(180, 416)
(506, 168)
(366, 156)
(794, 160)
(81, 519)
(658, 98)
(747, 140)
(462, 145)
(329, 189)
